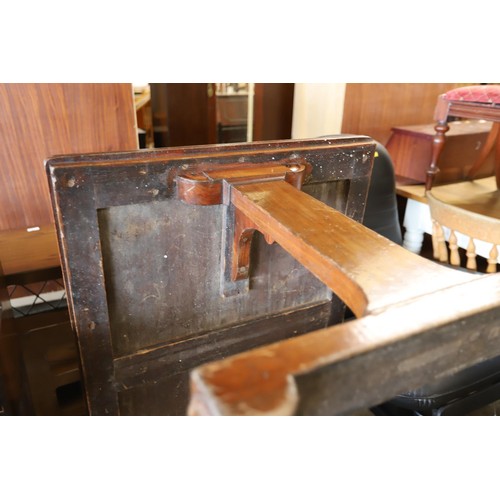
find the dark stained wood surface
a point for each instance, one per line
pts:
(40, 120)
(10, 355)
(143, 269)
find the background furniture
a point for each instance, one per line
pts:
(374, 108)
(477, 102)
(410, 148)
(480, 196)
(475, 226)
(36, 121)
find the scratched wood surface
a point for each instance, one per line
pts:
(143, 269)
(360, 363)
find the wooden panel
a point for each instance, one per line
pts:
(273, 111)
(143, 271)
(41, 120)
(183, 114)
(374, 108)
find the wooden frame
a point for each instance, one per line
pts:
(123, 234)
(361, 363)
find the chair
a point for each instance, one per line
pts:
(480, 102)
(337, 370)
(478, 220)
(473, 387)
(450, 220)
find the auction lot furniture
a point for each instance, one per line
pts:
(176, 257)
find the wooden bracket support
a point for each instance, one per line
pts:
(363, 268)
(214, 187)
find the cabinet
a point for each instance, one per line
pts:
(410, 150)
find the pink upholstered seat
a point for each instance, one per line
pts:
(488, 94)
(476, 102)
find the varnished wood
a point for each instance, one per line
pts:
(463, 109)
(360, 363)
(144, 271)
(363, 268)
(10, 354)
(485, 151)
(480, 196)
(207, 187)
(374, 108)
(410, 148)
(25, 252)
(273, 111)
(40, 120)
(470, 223)
(437, 146)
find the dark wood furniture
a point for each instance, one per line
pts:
(410, 148)
(10, 355)
(158, 285)
(38, 350)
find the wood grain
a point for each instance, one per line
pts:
(360, 363)
(23, 251)
(41, 120)
(143, 269)
(374, 108)
(363, 268)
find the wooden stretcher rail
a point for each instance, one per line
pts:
(406, 299)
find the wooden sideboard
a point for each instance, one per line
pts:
(410, 148)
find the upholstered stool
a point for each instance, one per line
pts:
(479, 102)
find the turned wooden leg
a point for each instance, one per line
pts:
(437, 146)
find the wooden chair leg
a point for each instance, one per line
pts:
(437, 146)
